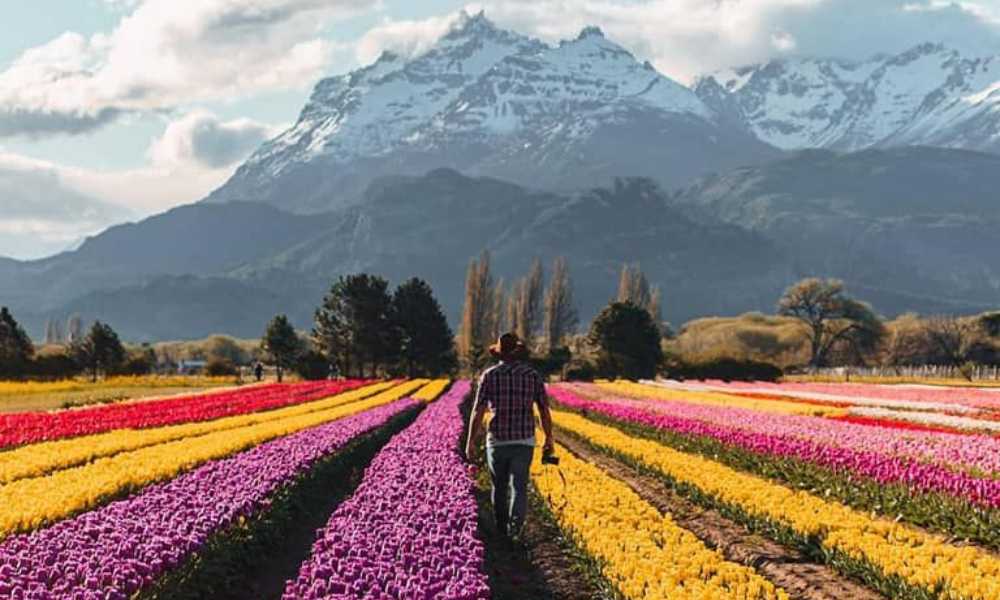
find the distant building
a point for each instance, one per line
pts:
(190, 367)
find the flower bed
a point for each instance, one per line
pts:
(119, 549)
(643, 553)
(45, 457)
(409, 531)
(864, 453)
(26, 428)
(901, 561)
(28, 504)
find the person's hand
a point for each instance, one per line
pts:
(549, 447)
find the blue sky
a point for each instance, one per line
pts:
(112, 110)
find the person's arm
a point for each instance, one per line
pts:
(542, 400)
(476, 420)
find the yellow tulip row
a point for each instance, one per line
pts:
(916, 557)
(31, 503)
(45, 457)
(643, 553)
(432, 390)
(651, 392)
(146, 381)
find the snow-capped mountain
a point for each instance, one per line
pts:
(488, 101)
(930, 95)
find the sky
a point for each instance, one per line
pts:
(113, 110)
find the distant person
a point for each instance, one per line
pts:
(332, 373)
(258, 371)
(510, 390)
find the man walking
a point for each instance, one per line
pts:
(510, 390)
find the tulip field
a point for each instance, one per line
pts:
(356, 489)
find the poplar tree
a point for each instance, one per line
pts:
(561, 317)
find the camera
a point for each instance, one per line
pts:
(550, 458)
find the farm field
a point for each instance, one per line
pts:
(18, 396)
(355, 489)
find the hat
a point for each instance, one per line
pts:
(509, 347)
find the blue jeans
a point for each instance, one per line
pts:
(509, 471)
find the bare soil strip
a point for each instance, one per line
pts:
(796, 574)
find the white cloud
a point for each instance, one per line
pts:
(46, 207)
(164, 54)
(406, 38)
(42, 212)
(199, 138)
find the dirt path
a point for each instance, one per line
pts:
(799, 576)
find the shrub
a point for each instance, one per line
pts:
(220, 367)
(727, 369)
(312, 365)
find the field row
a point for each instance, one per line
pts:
(867, 507)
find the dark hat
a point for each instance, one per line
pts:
(509, 347)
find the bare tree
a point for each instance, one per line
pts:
(481, 312)
(830, 317)
(633, 286)
(74, 329)
(524, 307)
(497, 318)
(560, 312)
(952, 338)
(654, 308)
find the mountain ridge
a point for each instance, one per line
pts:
(489, 101)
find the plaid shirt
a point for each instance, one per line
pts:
(511, 389)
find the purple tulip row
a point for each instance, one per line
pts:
(875, 465)
(119, 549)
(409, 531)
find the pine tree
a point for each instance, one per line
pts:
(16, 348)
(99, 351)
(427, 346)
(281, 344)
(354, 326)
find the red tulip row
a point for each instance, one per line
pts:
(28, 428)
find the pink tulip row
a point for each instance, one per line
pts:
(409, 531)
(28, 428)
(879, 454)
(951, 450)
(982, 398)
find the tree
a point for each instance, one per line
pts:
(16, 348)
(633, 287)
(74, 329)
(953, 339)
(560, 312)
(281, 344)
(627, 340)
(225, 349)
(525, 304)
(99, 351)
(830, 317)
(479, 313)
(427, 346)
(354, 327)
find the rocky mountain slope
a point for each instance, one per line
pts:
(427, 226)
(907, 228)
(929, 95)
(488, 101)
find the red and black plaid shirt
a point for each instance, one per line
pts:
(511, 389)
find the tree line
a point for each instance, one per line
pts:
(363, 330)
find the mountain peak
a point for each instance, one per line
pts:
(590, 31)
(475, 24)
